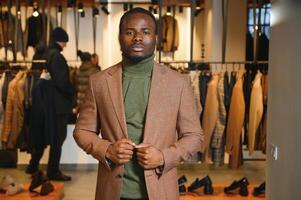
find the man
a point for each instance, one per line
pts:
(94, 60)
(139, 119)
(63, 103)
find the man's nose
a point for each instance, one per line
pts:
(138, 37)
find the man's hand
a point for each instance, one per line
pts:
(120, 152)
(148, 156)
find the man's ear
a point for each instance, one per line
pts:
(119, 39)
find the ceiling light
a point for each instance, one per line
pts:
(156, 13)
(35, 12)
(80, 7)
(168, 12)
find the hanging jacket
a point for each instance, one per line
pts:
(217, 142)
(210, 115)
(235, 123)
(1, 105)
(8, 78)
(256, 111)
(229, 81)
(204, 78)
(221, 120)
(82, 80)
(7, 28)
(36, 32)
(170, 34)
(18, 113)
(194, 78)
(43, 118)
(10, 107)
(261, 133)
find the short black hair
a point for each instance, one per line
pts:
(137, 10)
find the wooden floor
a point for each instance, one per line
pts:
(82, 186)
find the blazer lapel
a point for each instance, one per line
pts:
(157, 87)
(114, 81)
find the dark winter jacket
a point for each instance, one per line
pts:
(63, 89)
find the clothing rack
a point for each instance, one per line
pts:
(205, 65)
(217, 62)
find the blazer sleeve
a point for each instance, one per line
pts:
(190, 135)
(86, 132)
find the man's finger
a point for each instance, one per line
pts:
(125, 151)
(124, 156)
(142, 156)
(126, 146)
(143, 145)
(127, 141)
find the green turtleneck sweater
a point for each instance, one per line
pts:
(136, 87)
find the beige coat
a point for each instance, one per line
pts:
(235, 123)
(256, 111)
(210, 115)
(11, 109)
(171, 108)
(17, 119)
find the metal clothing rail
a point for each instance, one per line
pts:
(217, 62)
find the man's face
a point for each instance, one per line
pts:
(94, 59)
(137, 36)
(62, 44)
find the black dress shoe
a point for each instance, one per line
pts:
(182, 189)
(241, 186)
(59, 177)
(193, 185)
(37, 179)
(46, 188)
(182, 180)
(206, 182)
(260, 190)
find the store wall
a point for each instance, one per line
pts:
(236, 30)
(199, 35)
(213, 30)
(236, 33)
(284, 111)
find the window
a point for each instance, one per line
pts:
(264, 21)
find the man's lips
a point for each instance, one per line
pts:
(137, 48)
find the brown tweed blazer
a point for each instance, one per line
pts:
(172, 125)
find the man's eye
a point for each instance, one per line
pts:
(146, 32)
(130, 33)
